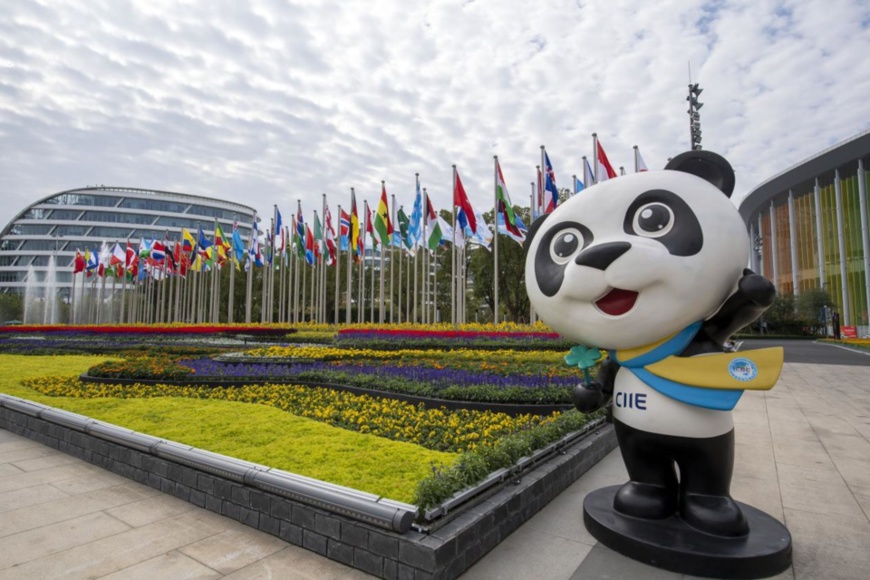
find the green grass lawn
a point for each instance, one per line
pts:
(251, 432)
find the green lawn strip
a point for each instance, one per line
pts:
(251, 432)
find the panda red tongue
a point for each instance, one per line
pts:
(617, 302)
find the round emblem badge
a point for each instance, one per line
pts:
(743, 369)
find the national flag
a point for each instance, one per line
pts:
(430, 211)
(483, 236)
(588, 174)
(416, 222)
(369, 228)
(300, 234)
(551, 193)
(318, 237)
(404, 233)
(461, 201)
(520, 227)
(310, 250)
(354, 227)
(639, 165)
(221, 242)
(278, 222)
(118, 257)
(105, 256)
(344, 230)
(145, 249)
(158, 251)
(254, 250)
(91, 262)
(578, 185)
(383, 226)
(204, 243)
(171, 262)
(447, 233)
(238, 244)
(605, 169)
(329, 235)
(187, 242)
(79, 263)
(434, 233)
(505, 208)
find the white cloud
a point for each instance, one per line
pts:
(264, 102)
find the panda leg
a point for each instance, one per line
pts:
(652, 490)
(706, 466)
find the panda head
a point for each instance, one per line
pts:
(638, 258)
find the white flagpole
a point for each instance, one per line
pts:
(495, 240)
(595, 158)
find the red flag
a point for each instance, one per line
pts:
(460, 200)
(79, 263)
(603, 163)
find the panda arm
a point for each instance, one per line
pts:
(754, 295)
(591, 397)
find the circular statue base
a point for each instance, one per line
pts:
(673, 545)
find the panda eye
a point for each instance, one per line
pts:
(653, 220)
(565, 245)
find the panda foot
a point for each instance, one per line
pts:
(642, 500)
(718, 515)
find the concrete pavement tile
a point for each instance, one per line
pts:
(856, 472)
(45, 462)
(171, 565)
(233, 549)
(20, 498)
(66, 508)
(529, 553)
(864, 501)
(820, 491)
(119, 550)
(830, 425)
(7, 469)
(16, 443)
(806, 453)
(755, 461)
(750, 434)
(297, 563)
(854, 446)
(828, 546)
(37, 545)
(786, 431)
(602, 562)
(753, 417)
(27, 453)
(95, 481)
(150, 510)
(563, 517)
(51, 475)
(762, 494)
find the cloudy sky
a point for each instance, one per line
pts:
(267, 101)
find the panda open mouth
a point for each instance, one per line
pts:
(617, 302)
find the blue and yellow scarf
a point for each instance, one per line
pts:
(713, 381)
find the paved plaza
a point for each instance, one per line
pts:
(803, 456)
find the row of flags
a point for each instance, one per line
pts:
(316, 241)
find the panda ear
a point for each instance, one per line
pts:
(532, 231)
(708, 166)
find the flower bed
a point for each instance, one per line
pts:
(860, 343)
(448, 339)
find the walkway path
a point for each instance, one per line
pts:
(803, 456)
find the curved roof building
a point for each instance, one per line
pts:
(810, 228)
(40, 243)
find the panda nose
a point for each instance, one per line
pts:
(601, 256)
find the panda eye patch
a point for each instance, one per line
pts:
(653, 220)
(565, 244)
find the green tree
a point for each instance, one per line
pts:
(11, 307)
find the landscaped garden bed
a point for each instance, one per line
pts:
(431, 457)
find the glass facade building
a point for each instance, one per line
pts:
(810, 228)
(42, 240)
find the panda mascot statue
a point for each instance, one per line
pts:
(651, 267)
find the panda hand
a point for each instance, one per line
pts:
(758, 289)
(588, 398)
